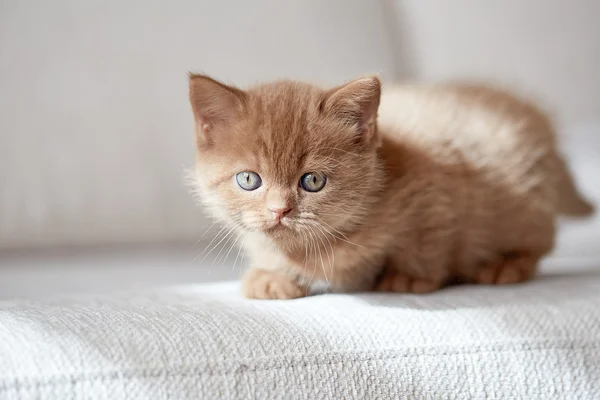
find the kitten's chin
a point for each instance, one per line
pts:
(277, 230)
(280, 232)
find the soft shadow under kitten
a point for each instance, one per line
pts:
(401, 191)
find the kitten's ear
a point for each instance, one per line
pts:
(356, 103)
(213, 103)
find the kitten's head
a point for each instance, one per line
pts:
(286, 158)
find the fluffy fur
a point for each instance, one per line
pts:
(425, 184)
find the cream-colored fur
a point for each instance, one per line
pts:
(453, 182)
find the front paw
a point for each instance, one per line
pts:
(265, 284)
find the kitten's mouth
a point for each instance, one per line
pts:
(278, 227)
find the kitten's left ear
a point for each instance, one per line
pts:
(356, 103)
(214, 104)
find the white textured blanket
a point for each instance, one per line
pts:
(534, 341)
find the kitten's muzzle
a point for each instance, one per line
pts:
(280, 212)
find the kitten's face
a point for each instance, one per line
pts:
(287, 159)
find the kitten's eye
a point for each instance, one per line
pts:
(248, 180)
(313, 181)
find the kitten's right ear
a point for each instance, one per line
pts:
(214, 104)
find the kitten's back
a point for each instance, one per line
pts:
(507, 139)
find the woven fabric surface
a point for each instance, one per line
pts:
(533, 341)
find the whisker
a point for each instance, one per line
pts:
(317, 248)
(217, 244)
(336, 237)
(313, 264)
(332, 259)
(239, 250)
(209, 228)
(336, 230)
(244, 253)
(304, 241)
(228, 237)
(345, 238)
(231, 247)
(211, 242)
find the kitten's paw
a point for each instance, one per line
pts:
(264, 284)
(394, 281)
(510, 269)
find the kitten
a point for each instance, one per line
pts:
(401, 191)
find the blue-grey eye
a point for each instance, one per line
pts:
(313, 181)
(248, 180)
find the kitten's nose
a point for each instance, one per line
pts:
(280, 212)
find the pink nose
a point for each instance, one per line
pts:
(280, 212)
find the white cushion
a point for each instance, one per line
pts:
(533, 341)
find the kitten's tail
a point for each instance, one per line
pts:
(570, 201)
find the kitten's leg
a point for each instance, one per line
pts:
(511, 268)
(395, 281)
(266, 284)
(420, 267)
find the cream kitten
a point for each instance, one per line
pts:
(401, 191)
